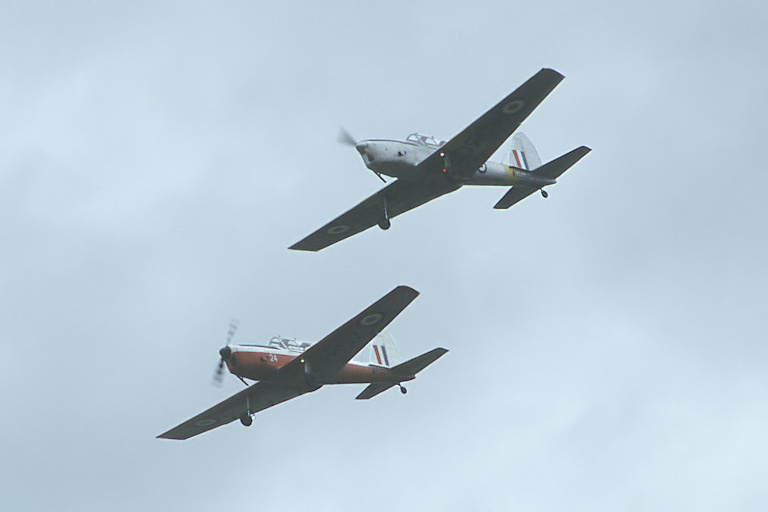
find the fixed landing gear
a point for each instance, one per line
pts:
(384, 222)
(402, 389)
(544, 193)
(246, 419)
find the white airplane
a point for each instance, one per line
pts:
(426, 168)
(287, 368)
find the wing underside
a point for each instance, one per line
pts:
(255, 398)
(399, 196)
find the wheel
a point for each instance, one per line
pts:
(403, 390)
(544, 194)
(384, 224)
(246, 419)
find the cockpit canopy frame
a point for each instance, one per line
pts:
(291, 344)
(425, 140)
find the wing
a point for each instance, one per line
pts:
(400, 197)
(328, 356)
(471, 148)
(258, 397)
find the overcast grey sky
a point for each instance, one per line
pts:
(608, 345)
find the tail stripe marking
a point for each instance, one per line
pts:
(384, 352)
(525, 161)
(517, 158)
(376, 350)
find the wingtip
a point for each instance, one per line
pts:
(553, 72)
(297, 247)
(406, 288)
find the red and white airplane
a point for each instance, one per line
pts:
(287, 368)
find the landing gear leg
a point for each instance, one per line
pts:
(384, 222)
(402, 389)
(544, 193)
(246, 419)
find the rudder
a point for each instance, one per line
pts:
(383, 351)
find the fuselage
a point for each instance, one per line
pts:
(259, 362)
(401, 159)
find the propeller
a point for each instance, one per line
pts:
(344, 137)
(225, 352)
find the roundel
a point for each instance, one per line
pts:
(337, 230)
(371, 319)
(513, 107)
(206, 423)
(482, 169)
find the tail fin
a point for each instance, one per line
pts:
(410, 367)
(522, 153)
(383, 351)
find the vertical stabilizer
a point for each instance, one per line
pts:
(522, 153)
(383, 351)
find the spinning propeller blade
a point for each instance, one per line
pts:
(225, 352)
(345, 138)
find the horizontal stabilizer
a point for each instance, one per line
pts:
(408, 368)
(551, 170)
(374, 389)
(559, 165)
(512, 196)
(415, 365)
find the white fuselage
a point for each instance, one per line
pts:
(401, 160)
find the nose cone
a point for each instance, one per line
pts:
(225, 353)
(361, 147)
